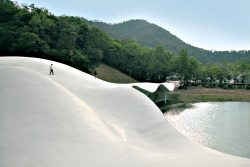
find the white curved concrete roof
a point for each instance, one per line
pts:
(152, 87)
(73, 119)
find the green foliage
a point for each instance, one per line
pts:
(216, 72)
(151, 35)
(7, 11)
(31, 31)
(186, 66)
(80, 61)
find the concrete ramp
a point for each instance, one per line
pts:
(73, 119)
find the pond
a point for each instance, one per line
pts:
(223, 126)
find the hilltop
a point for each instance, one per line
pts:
(151, 35)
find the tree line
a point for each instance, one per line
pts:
(188, 69)
(31, 31)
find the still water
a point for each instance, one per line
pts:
(223, 126)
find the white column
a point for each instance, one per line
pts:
(166, 96)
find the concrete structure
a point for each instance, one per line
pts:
(73, 119)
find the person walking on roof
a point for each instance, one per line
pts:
(95, 73)
(51, 69)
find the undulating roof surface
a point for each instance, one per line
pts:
(71, 119)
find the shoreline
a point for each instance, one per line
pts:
(196, 94)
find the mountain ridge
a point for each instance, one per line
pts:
(151, 35)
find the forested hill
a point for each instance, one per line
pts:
(26, 30)
(151, 35)
(144, 33)
(31, 31)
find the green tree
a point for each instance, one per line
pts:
(7, 11)
(80, 61)
(216, 72)
(185, 66)
(200, 73)
(244, 70)
(234, 70)
(160, 64)
(28, 42)
(98, 44)
(133, 52)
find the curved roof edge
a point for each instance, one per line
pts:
(153, 87)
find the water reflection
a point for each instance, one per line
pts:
(221, 126)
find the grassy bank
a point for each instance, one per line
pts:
(110, 74)
(182, 98)
(207, 97)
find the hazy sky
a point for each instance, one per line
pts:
(208, 24)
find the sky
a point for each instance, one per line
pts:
(208, 24)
